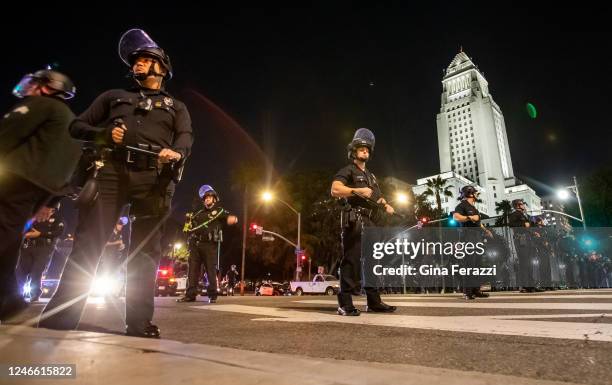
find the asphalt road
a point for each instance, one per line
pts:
(562, 335)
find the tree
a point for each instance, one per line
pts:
(422, 207)
(596, 196)
(437, 188)
(505, 208)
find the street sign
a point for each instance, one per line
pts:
(299, 269)
(267, 238)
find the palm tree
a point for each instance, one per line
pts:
(505, 208)
(436, 188)
(422, 207)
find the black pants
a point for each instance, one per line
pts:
(19, 199)
(148, 198)
(32, 263)
(202, 253)
(351, 267)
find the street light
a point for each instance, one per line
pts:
(267, 196)
(401, 198)
(564, 194)
(176, 247)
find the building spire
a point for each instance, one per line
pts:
(460, 49)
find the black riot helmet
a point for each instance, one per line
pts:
(135, 43)
(54, 80)
(362, 138)
(208, 190)
(468, 191)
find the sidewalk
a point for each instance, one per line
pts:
(112, 359)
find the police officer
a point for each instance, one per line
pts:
(123, 122)
(205, 229)
(469, 217)
(37, 159)
(523, 243)
(110, 264)
(37, 250)
(352, 184)
(232, 278)
(544, 254)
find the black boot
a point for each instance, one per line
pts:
(186, 298)
(147, 330)
(345, 305)
(348, 311)
(380, 307)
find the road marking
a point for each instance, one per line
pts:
(430, 297)
(503, 325)
(482, 304)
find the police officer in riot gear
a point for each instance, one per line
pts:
(37, 159)
(37, 250)
(141, 132)
(469, 217)
(523, 243)
(356, 185)
(205, 229)
(544, 253)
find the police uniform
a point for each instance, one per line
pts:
(205, 229)
(37, 157)
(154, 120)
(523, 243)
(471, 284)
(37, 252)
(355, 216)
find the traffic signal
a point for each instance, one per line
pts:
(255, 228)
(424, 220)
(303, 257)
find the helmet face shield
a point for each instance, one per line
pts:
(25, 86)
(49, 78)
(135, 43)
(362, 138)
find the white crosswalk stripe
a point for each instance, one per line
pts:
(527, 325)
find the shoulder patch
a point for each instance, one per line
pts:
(21, 110)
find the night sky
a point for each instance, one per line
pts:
(298, 81)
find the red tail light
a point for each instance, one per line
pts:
(165, 271)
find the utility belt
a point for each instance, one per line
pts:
(214, 235)
(355, 214)
(38, 242)
(140, 157)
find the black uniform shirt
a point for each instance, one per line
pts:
(49, 230)
(167, 124)
(353, 176)
(207, 222)
(518, 219)
(36, 145)
(466, 209)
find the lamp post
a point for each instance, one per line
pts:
(267, 196)
(563, 194)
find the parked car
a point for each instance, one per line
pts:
(320, 284)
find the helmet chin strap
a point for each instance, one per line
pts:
(139, 78)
